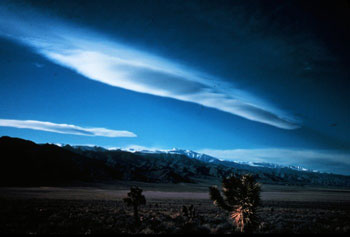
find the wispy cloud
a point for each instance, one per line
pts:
(38, 65)
(64, 128)
(112, 63)
(323, 160)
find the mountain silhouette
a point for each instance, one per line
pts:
(25, 163)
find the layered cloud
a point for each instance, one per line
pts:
(64, 128)
(107, 61)
(322, 160)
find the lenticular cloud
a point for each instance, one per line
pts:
(64, 128)
(107, 61)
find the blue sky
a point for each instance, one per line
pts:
(266, 81)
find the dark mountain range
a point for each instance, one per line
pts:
(213, 160)
(24, 163)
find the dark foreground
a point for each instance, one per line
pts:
(52, 213)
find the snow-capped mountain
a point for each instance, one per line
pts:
(92, 163)
(274, 166)
(89, 148)
(193, 155)
(210, 159)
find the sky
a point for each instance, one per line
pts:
(264, 81)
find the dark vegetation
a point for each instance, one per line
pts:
(24, 163)
(134, 200)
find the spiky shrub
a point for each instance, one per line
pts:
(135, 199)
(189, 213)
(241, 199)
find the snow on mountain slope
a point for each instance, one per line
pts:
(210, 159)
(193, 155)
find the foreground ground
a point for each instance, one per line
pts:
(99, 209)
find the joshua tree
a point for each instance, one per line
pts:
(189, 213)
(241, 198)
(135, 199)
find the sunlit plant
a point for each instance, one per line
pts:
(241, 199)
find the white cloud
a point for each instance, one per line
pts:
(64, 128)
(38, 65)
(109, 62)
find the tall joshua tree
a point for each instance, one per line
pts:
(241, 198)
(135, 199)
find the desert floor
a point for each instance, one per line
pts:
(98, 208)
